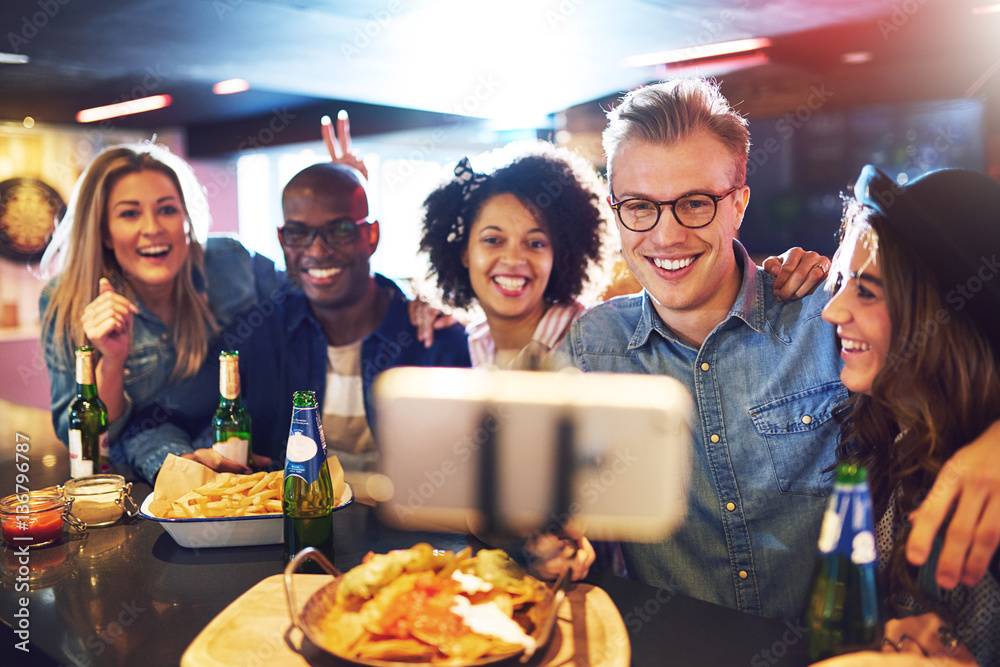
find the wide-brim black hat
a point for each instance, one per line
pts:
(950, 221)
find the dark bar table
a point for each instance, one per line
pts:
(127, 594)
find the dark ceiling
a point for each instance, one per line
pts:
(396, 64)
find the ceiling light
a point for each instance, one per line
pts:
(711, 67)
(697, 52)
(856, 57)
(123, 108)
(230, 86)
(13, 59)
(987, 9)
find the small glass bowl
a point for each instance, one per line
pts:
(99, 500)
(34, 518)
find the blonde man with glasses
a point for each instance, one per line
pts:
(764, 373)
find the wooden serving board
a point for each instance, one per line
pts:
(255, 630)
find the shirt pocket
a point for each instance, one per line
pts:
(801, 435)
(141, 373)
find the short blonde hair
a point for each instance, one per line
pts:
(666, 112)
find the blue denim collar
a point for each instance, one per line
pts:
(396, 316)
(750, 306)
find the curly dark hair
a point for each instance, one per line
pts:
(560, 188)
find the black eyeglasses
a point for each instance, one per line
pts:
(341, 232)
(693, 211)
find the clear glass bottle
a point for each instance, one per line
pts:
(308, 500)
(845, 606)
(89, 449)
(231, 422)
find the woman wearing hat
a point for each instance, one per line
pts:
(916, 291)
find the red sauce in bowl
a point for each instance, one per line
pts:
(32, 519)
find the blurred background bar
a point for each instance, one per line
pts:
(827, 85)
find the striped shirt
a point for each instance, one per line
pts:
(344, 422)
(551, 329)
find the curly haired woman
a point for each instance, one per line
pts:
(523, 242)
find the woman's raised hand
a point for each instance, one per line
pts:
(107, 323)
(798, 272)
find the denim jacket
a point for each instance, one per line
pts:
(765, 383)
(229, 282)
(282, 349)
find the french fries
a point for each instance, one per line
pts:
(231, 495)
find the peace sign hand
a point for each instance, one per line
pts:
(338, 142)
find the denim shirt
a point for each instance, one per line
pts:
(228, 281)
(283, 349)
(765, 383)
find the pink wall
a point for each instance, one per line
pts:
(219, 179)
(24, 378)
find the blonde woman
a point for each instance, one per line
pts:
(135, 278)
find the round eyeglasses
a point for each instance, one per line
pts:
(693, 211)
(338, 233)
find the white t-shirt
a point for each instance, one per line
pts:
(344, 422)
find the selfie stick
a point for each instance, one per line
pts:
(489, 473)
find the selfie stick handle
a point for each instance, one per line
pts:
(563, 496)
(488, 475)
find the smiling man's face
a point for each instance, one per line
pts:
(331, 276)
(683, 269)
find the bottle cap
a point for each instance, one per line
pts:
(851, 472)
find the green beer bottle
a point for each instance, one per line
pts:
(845, 607)
(308, 492)
(231, 422)
(88, 422)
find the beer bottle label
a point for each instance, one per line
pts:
(306, 449)
(847, 525)
(234, 448)
(78, 465)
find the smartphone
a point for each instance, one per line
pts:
(531, 450)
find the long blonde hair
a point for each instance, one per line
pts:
(79, 257)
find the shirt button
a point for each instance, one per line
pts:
(126, 372)
(730, 506)
(704, 366)
(743, 574)
(714, 438)
(806, 419)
